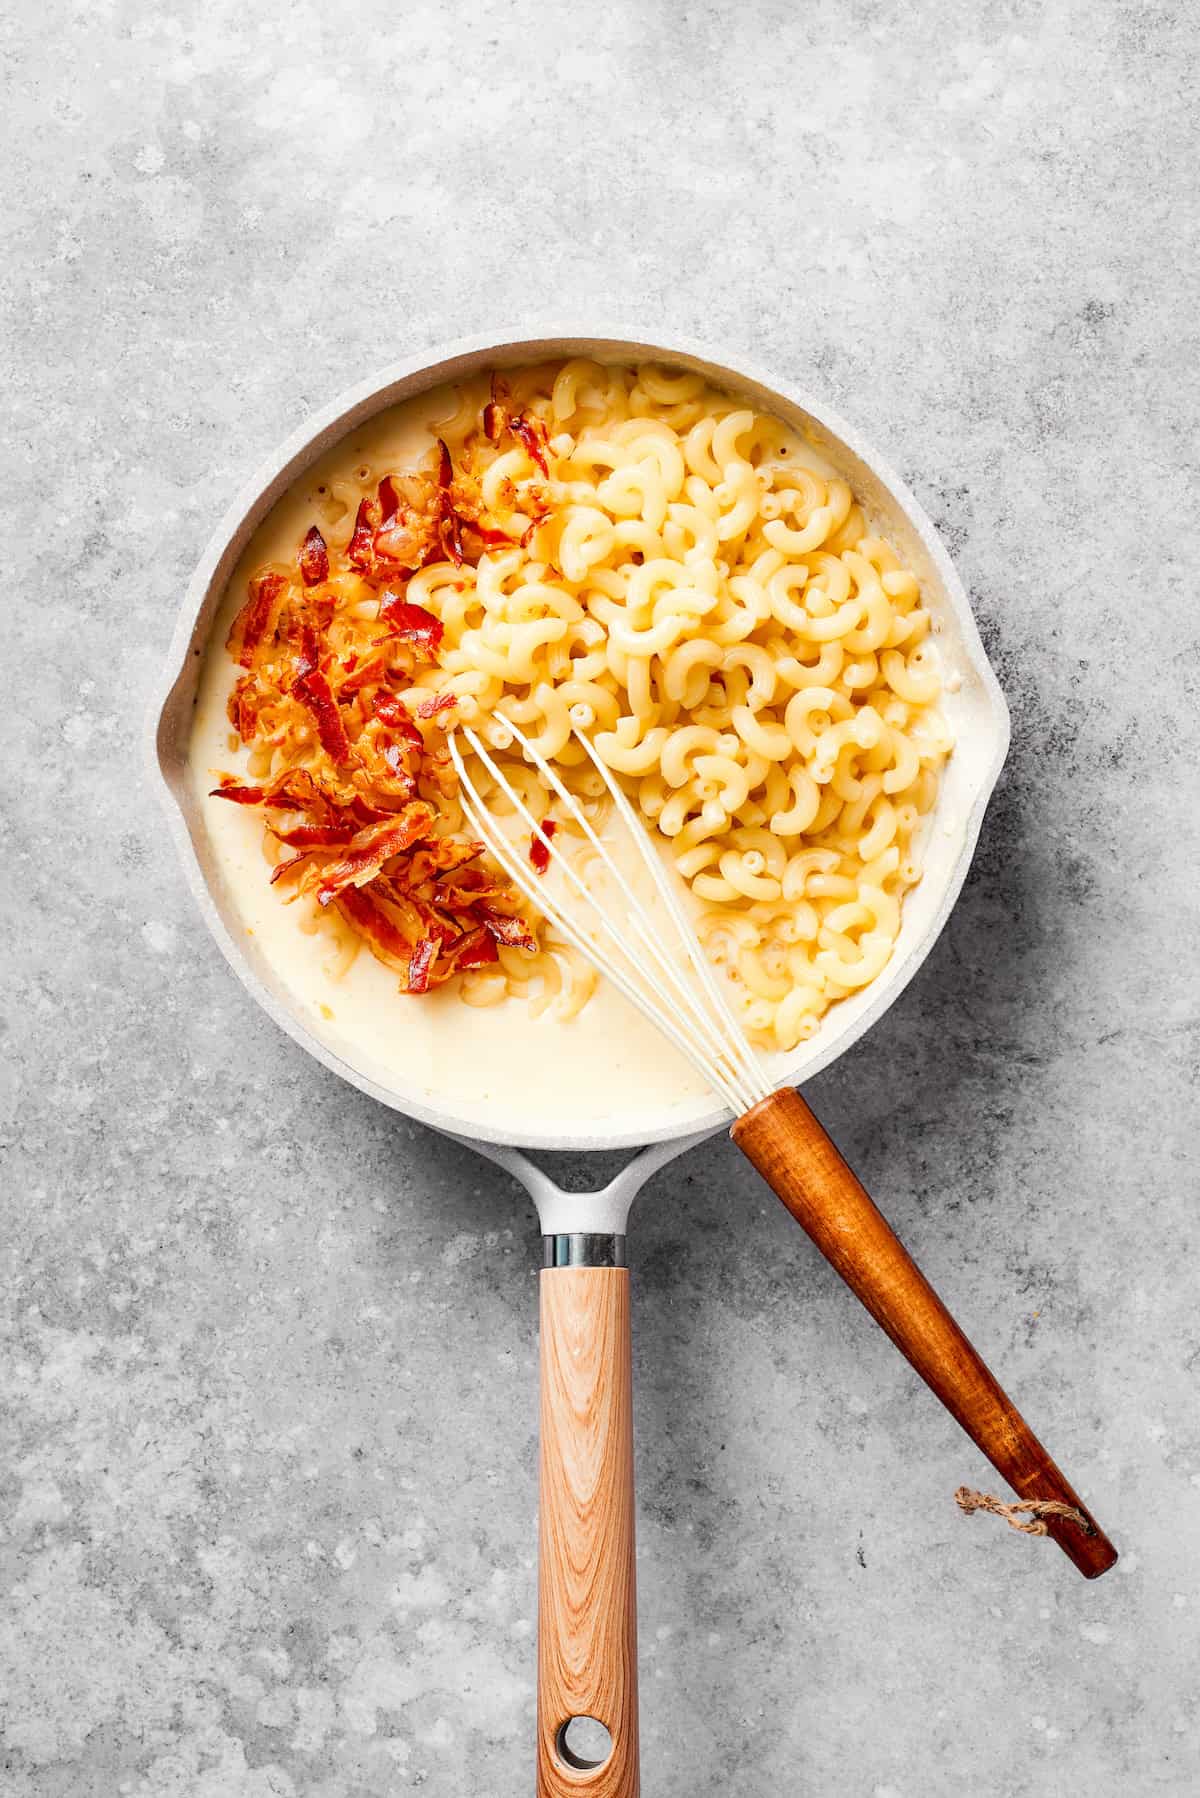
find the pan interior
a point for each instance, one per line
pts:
(605, 1076)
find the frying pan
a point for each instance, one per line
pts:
(587, 1633)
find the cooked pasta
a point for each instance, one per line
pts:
(659, 565)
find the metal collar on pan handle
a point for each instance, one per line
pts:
(601, 1213)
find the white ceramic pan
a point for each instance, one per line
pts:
(587, 1614)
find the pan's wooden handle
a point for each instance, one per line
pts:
(793, 1154)
(587, 1590)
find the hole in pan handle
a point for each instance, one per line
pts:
(583, 1743)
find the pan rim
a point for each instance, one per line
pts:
(618, 340)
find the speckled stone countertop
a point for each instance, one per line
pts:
(267, 1489)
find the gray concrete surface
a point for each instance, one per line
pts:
(268, 1469)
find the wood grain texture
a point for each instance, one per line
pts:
(587, 1588)
(795, 1157)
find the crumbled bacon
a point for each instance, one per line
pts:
(317, 836)
(369, 849)
(389, 499)
(466, 888)
(440, 702)
(308, 652)
(298, 790)
(369, 672)
(229, 789)
(360, 819)
(254, 626)
(444, 856)
(393, 756)
(397, 717)
(531, 433)
(528, 429)
(450, 532)
(245, 705)
(410, 623)
(435, 923)
(423, 958)
(360, 550)
(384, 938)
(314, 691)
(475, 950)
(295, 791)
(539, 852)
(514, 933)
(314, 559)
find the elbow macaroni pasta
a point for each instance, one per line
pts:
(750, 659)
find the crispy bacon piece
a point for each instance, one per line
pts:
(284, 870)
(438, 770)
(407, 535)
(387, 771)
(443, 856)
(539, 852)
(367, 673)
(450, 534)
(395, 780)
(406, 543)
(439, 702)
(389, 499)
(364, 812)
(369, 849)
(410, 623)
(231, 789)
(308, 650)
(423, 958)
(245, 704)
(528, 429)
(531, 434)
(254, 626)
(495, 413)
(463, 889)
(293, 791)
(514, 933)
(396, 715)
(473, 950)
(384, 938)
(314, 691)
(317, 836)
(314, 559)
(436, 925)
(360, 551)
(449, 522)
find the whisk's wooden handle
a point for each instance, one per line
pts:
(793, 1154)
(587, 1591)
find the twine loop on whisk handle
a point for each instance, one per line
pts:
(1026, 1515)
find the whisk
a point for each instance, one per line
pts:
(691, 1011)
(677, 988)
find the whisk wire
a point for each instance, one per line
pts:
(732, 1048)
(484, 826)
(722, 1054)
(700, 962)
